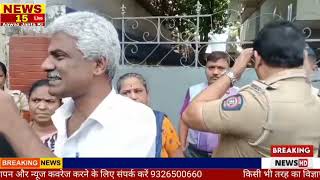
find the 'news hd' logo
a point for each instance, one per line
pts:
(22, 14)
(291, 163)
(291, 156)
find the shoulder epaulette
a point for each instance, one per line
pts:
(260, 86)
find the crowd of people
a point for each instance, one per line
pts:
(76, 112)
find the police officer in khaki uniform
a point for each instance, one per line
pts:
(19, 97)
(279, 108)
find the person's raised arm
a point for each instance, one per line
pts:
(193, 116)
(17, 132)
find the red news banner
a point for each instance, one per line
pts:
(291, 151)
(22, 14)
(280, 174)
(192, 174)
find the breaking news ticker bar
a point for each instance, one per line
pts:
(149, 173)
(184, 163)
(44, 163)
(229, 163)
(124, 174)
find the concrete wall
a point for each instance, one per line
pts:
(308, 9)
(250, 27)
(271, 6)
(265, 14)
(107, 7)
(111, 9)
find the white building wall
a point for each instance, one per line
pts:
(269, 11)
(308, 9)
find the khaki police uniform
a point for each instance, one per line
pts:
(279, 110)
(20, 99)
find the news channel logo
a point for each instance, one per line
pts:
(24, 14)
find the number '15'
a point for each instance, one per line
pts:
(23, 17)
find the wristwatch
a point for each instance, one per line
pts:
(232, 76)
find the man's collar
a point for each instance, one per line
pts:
(63, 113)
(99, 114)
(66, 110)
(285, 74)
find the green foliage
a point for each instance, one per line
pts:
(187, 27)
(218, 20)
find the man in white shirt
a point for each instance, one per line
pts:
(96, 122)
